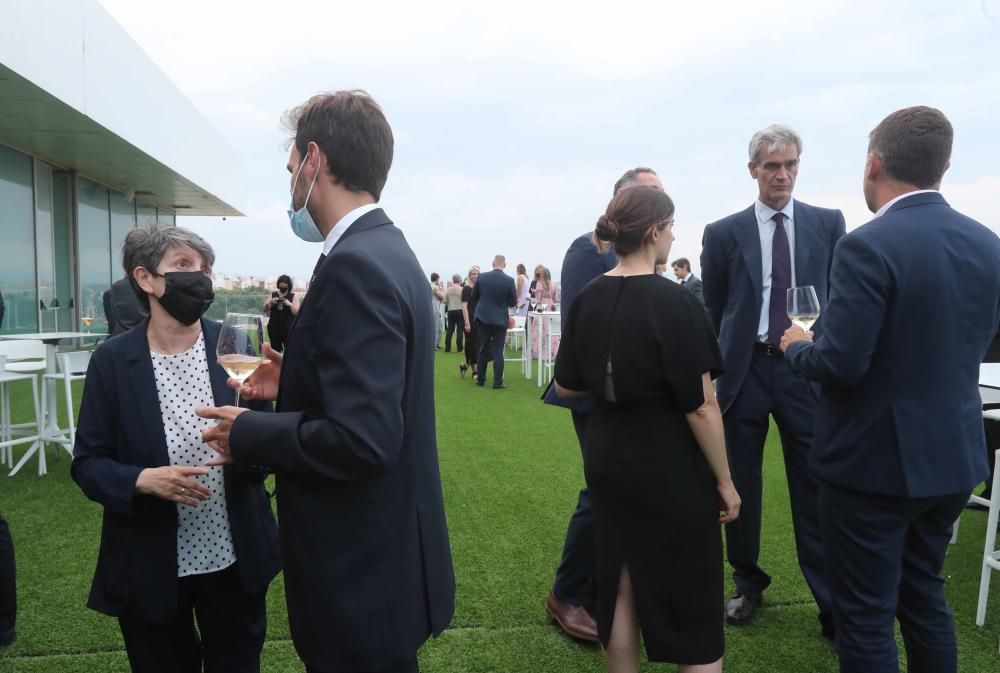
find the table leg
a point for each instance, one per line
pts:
(51, 429)
(526, 365)
(541, 350)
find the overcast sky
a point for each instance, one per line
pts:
(513, 120)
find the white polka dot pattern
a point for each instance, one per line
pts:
(204, 539)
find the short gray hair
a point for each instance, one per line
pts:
(773, 138)
(456, 278)
(146, 247)
(631, 177)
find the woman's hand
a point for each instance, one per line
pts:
(263, 383)
(729, 502)
(174, 483)
(468, 328)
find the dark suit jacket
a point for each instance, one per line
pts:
(119, 434)
(583, 263)
(693, 284)
(914, 304)
(733, 280)
(368, 573)
(495, 293)
(126, 309)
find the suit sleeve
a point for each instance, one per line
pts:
(511, 295)
(95, 468)
(713, 276)
(360, 358)
(860, 288)
(698, 289)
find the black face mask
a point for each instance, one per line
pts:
(187, 296)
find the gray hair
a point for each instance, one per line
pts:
(631, 177)
(456, 278)
(773, 138)
(146, 247)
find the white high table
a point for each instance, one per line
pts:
(989, 382)
(50, 432)
(535, 321)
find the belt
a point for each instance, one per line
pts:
(767, 349)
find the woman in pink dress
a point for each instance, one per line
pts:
(546, 299)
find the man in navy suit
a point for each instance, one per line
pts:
(573, 592)
(495, 292)
(748, 262)
(899, 433)
(368, 572)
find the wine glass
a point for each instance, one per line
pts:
(241, 346)
(803, 306)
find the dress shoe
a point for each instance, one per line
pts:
(741, 608)
(499, 386)
(480, 383)
(572, 619)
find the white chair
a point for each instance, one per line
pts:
(11, 435)
(515, 339)
(548, 356)
(991, 554)
(25, 357)
(72, 367)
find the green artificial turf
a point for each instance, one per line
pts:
(511, 471)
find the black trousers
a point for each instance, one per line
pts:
(8, 583)
(405, 667)
(277, 335)
(456, 324)
(771, 387)
(230, 635)
(884, 557)
(576, 577)
(491, 345)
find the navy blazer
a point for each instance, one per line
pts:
(914, 304)
(496, 292)
(368, 572)
(120, 433)
(733, 283)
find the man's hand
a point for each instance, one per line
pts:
(263, 383)
(174, 483)
(217, 436)
(793, 334)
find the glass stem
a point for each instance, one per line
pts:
(238, 395)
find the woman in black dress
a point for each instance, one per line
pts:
(282, 305)
(469, 315)
(655, 454)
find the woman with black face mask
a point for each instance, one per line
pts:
(180, 540)
(283, 305)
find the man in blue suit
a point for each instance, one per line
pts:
(368, 571)
(748, 262)
(899, 433)
(567, 602)
(495, 293)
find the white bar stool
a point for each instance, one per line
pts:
(11, 435)
(72, 367)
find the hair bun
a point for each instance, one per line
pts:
(607, 229)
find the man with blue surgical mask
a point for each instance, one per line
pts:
(352, 445)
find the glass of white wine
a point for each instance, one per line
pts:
(87, 320)
(241, 346)
(803, 306)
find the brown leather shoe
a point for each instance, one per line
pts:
(572, 619)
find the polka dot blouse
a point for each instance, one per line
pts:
(204, 540)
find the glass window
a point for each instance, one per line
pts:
(62, 206)
(94, 237)
(122, 221)
(145, 214)
(44, 243)
(165, 217)
(17, 253)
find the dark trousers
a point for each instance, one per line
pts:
(771, 388)
(232, 625)
(456, 325)
(277, 336)
(471, 347)
(8, 584)
(491, 345)
(575, 578)
(884, 556)
(405, 667)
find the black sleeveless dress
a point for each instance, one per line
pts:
(280, 321)
(654, 497)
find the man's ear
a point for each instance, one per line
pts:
(752, 167)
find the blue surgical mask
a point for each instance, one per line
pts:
(301, 221)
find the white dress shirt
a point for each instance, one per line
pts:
(345, 222)
(881, 211)
(766, 226)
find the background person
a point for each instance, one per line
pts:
(283, 306)
(180, 542)
(689, 281)
(437, 303)
(899, 432)
(494, 294)
(748, 262)
(522, 289)
(469, 304)
(456, 321)
(655, 458)
(122, 308)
